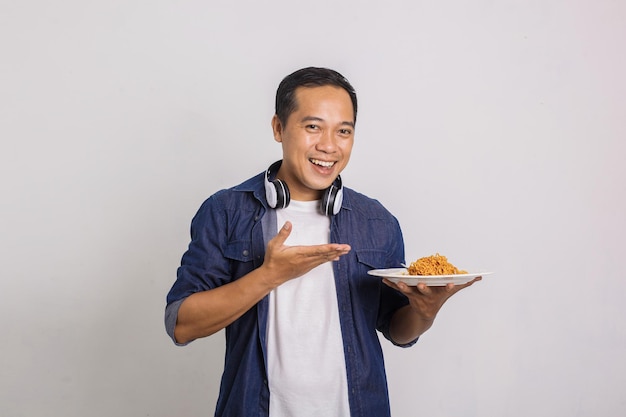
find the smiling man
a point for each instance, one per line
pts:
(280, 262)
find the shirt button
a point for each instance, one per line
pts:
(245, 253)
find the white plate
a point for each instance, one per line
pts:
(400, 274)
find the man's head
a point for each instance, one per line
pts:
(316, 131)
(308, 77)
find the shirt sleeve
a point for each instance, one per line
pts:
(171, 315)
(203, 265)
(390, 299)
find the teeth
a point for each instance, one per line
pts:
(322, 163)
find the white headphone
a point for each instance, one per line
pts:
(277, 192)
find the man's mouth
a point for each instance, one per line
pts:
(325, 164)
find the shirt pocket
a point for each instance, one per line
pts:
(238, 251)
(371, 258)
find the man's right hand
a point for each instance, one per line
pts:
(283, 262)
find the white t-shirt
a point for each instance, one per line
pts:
(306, 363)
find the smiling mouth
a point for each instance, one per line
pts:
(325, 164)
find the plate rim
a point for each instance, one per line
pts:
(380, 273)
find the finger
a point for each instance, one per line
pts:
(423, 288)
(391, 284)
(336, 254)
(460, 287)
(399, 286)
(343, 248)
(283, 234)
(339, 250)
(327, 251)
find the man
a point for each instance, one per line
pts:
(280, 261)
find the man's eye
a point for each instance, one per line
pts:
(311, 127)
(345, 131)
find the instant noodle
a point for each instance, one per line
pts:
(433, 265)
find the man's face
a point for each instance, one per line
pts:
(317, 140)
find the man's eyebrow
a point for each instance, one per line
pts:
(311, 119)
(319, 119)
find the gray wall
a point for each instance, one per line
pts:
(493, 130)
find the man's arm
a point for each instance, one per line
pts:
(207, 312)
(412, 320)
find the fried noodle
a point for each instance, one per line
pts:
(433, 265)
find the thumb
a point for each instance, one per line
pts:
(283, 234)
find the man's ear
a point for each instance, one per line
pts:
(277, 128)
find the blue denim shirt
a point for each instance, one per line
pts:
(227, 242)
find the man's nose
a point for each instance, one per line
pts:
(327, 142)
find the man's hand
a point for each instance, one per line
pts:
(427, 301)
(424, 303)
(283, 262)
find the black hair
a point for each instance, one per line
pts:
(308, 77)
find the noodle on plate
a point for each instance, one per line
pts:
(433, 265)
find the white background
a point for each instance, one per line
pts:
(494, 130)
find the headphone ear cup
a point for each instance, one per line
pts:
(271, 194)
(331, 200)
(338, 201)
(282, 194)
(327, 201)
(276, 191)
